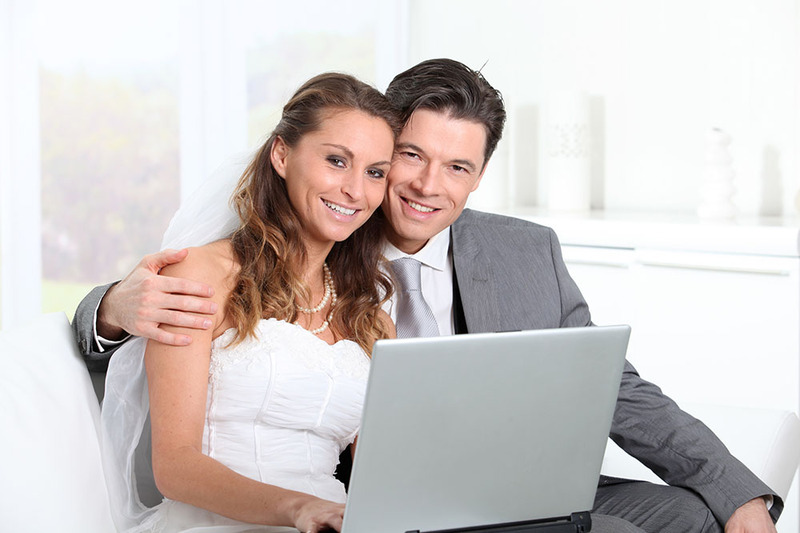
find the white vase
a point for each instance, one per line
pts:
(568, 152)
(716, 188)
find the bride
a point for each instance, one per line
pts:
(248, 420)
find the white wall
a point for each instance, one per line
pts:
(659, 75)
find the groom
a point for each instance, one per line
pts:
(481, 273)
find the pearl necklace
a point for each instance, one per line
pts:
(330, 293)
(327, 282)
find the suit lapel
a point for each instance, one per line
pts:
(475, 282)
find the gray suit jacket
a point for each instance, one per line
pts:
(511, 276)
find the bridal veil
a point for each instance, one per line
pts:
(205, 216)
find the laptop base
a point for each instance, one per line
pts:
(575, 523)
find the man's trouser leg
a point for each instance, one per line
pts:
(656, 508)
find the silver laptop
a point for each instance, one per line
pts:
(471, 432)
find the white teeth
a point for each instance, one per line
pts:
(339, 209)
(421, 208)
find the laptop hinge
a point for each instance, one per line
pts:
(575, 523)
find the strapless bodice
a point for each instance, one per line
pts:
(283, 404)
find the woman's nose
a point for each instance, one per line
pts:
(353, 185)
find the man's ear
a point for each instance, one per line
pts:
(278, 155)
(480, 177)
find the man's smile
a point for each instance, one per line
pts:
(419, 207)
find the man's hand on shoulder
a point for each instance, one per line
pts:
(144, 300)
(752, 517)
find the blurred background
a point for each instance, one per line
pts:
(111, 111)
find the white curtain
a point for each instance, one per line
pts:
(20, 198)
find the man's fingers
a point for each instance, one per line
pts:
(184, 304)
(179, 319)
(180, 286)
(159, 260)
(165, 337)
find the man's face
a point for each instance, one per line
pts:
(438, 161)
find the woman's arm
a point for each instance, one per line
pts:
(177, 380)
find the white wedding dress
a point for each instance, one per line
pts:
(281, 408)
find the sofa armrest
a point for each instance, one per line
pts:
(51, 473)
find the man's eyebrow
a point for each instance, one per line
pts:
(464, 163)
(347, 151)
(399, 147)
(408, 146)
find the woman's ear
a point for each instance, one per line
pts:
(278, 155)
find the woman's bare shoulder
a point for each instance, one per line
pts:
(213, 264)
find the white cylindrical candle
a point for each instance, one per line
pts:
(716, 187)
(568, 151)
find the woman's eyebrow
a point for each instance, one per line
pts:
(347, 151)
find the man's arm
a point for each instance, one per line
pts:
(83, 327)
(138, 305)
(684, 452)
(676, 446)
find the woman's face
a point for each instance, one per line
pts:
(336, 175)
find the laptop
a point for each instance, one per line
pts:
(490, 432)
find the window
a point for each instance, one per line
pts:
(109, 140)
(288, 42)
(131, 104)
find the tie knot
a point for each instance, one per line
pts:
(407, 273)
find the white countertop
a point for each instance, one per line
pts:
(775, 236)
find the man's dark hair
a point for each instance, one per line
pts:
(450, 87)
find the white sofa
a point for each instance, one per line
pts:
(51, 476)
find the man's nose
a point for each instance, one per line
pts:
(427, 181)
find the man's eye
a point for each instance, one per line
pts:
(458, 168)
(412, 155)
(336, 161)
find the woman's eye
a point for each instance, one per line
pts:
(375, 173)
(336, 161)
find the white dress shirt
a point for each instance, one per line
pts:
(437, 278)
(102, 343)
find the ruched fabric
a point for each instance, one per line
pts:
(281, 407)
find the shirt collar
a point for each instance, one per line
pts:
(433, 254)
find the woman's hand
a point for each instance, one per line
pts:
(315, 515)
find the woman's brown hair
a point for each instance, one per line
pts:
(268, 245)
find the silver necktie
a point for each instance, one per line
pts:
(414, 316)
